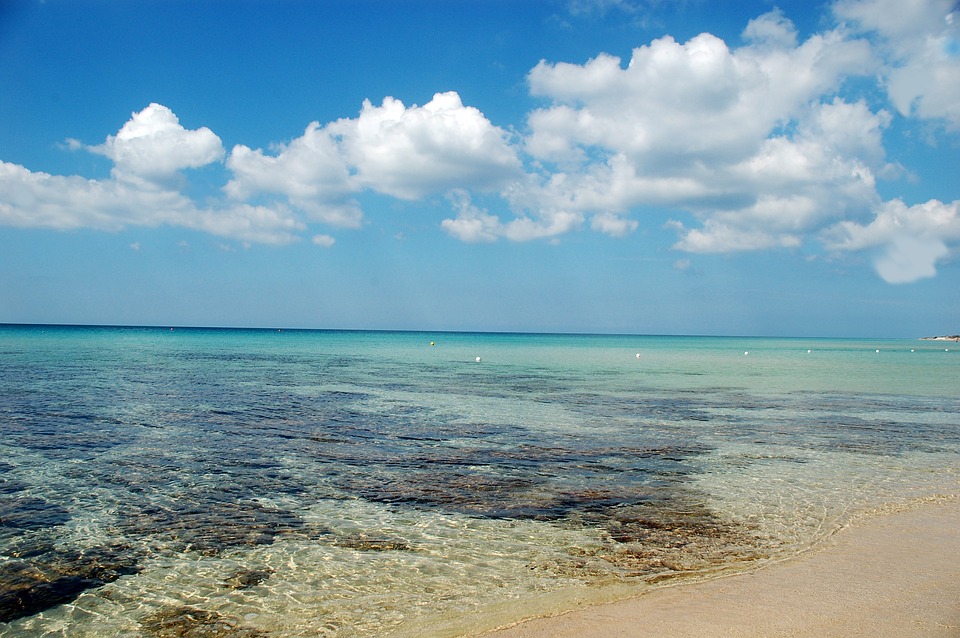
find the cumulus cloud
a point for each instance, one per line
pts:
(907, 241)
(613, 225)
(762, 144)
(39, 200)
(149, 150)
(472, 224)
(404, 152)
(752, 142)
(410, 152)
(921, 40)
(676, 103)
(309, 172)
(324, 241)
(153, 145)
(743, 139)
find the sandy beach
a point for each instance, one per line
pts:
(894, 573)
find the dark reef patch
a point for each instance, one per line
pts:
(30, 513)
(47, 579)
(207, 524)
(190, 622)
(247, 578)
(366, 543)
(670, 534)
(525, 482)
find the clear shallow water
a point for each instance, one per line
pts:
(312, 483)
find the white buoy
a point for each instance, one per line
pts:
(478, 359)
(745, 353)
(808, 351)
(912, 350)
(638, 355)
(878, 350)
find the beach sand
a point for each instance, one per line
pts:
(895, 573)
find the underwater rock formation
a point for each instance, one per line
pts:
(28, 586)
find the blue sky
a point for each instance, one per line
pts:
(633, 166)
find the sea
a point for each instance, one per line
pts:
(260, 483)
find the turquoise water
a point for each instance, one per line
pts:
(322, 483)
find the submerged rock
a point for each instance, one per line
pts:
(660, 540)
(247, 578)
(365, 543)
(208, 525)
(53, 578)
(27, 513)
(190, 622)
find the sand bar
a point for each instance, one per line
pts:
(890, 574)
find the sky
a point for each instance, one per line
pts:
(599, 166)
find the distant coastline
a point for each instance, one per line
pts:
(942, 338)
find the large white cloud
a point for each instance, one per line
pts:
(760, 146)
(795, 185)
(753, 142)
(405, 152)
(39, 200)
(309, 171)
(392, 149)
(743, 138)
(410, 152)
(907, 241)
(676, 103)
(153, 145)
(921, 39)
(148, 151)
(473, 224)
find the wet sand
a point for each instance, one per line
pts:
(887, 574)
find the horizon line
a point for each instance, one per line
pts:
(438, 331)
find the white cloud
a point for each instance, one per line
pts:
(275, 225)
(472, 224)
(794, 186)
(153, 145)
(548, 224)
(309, 171)
(907, 241)
(40, 200)
(613, 225)
(675, 103)
(411, 152)
(748, 147)
(908, 259)
(720, 237)
(324, 241)
(791, 184)
(395, 150)
(921, 41)
(772, 28)
(739, 137)
(149, 150)
(906, 19)
(753, 142)
(392, 149)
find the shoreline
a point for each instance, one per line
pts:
(894, 572)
